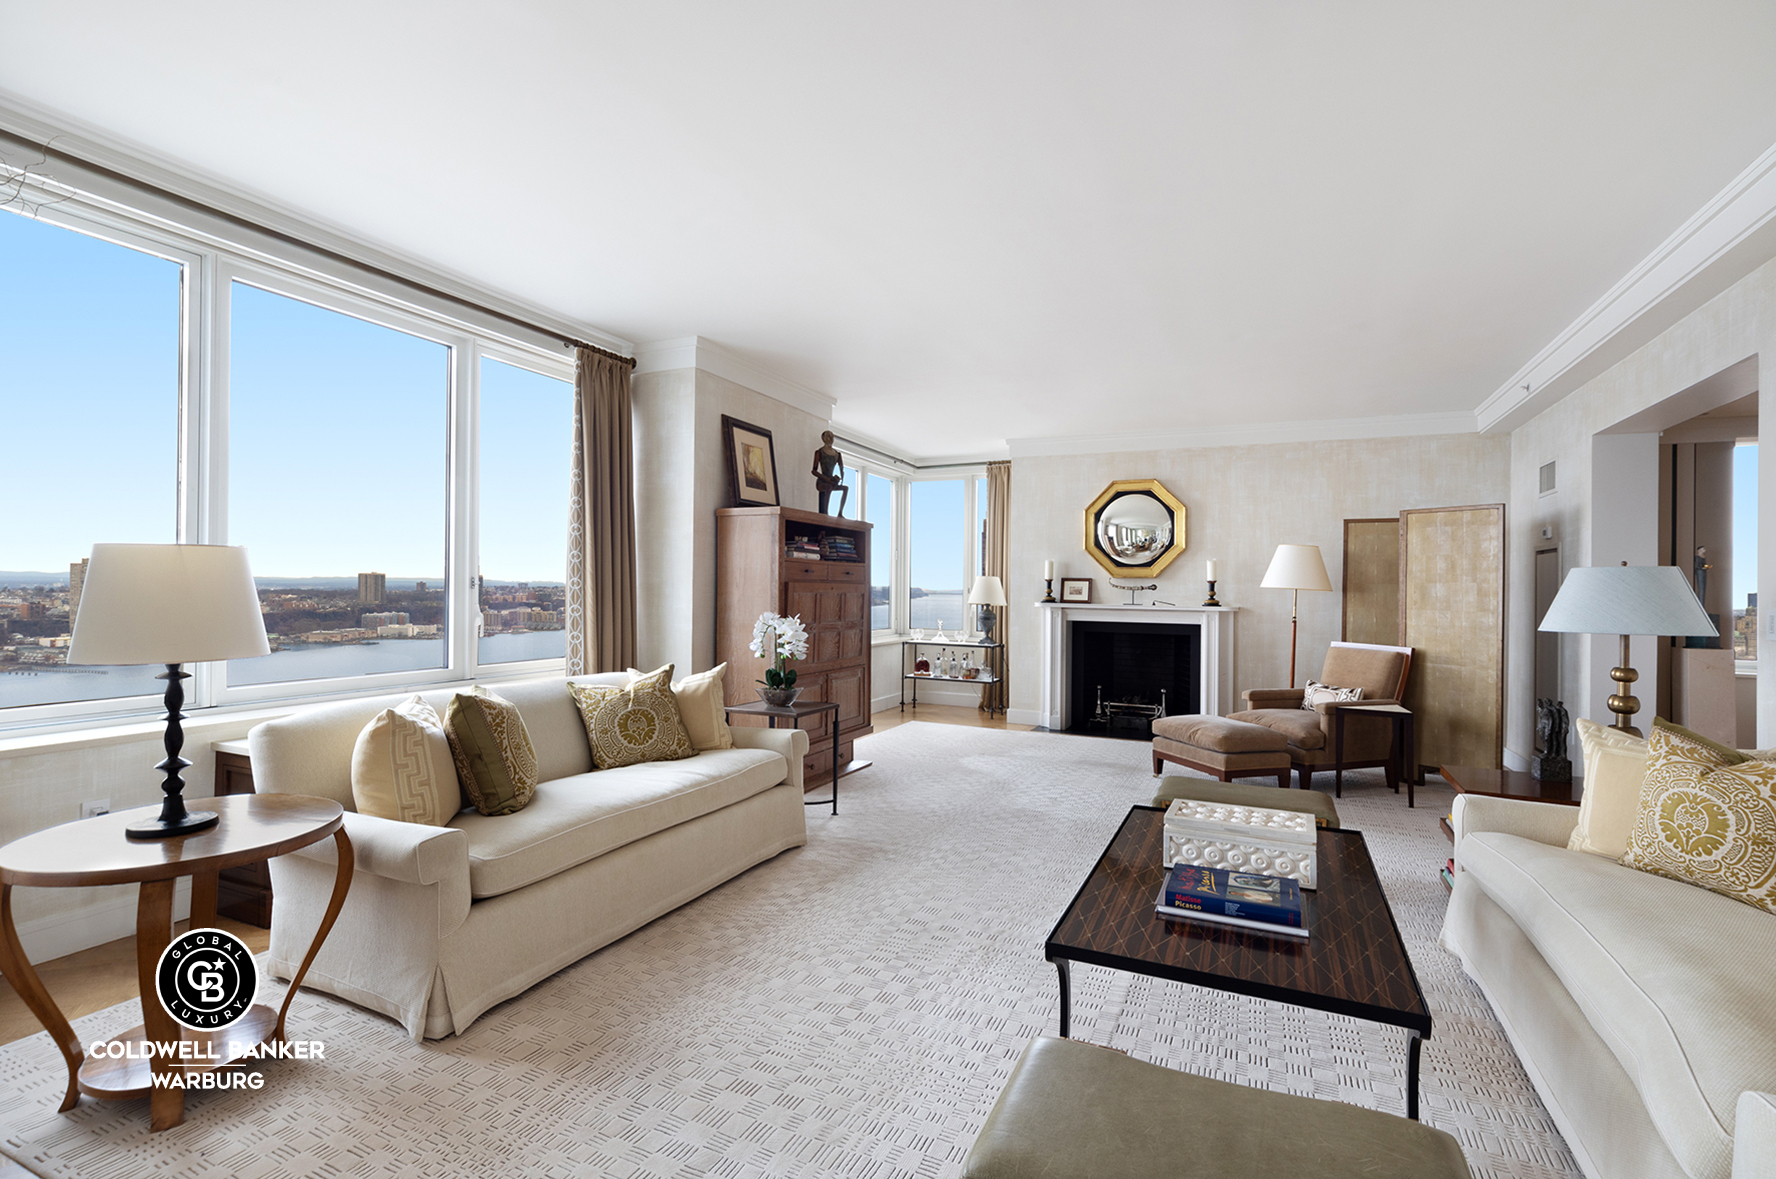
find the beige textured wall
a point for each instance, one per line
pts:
(1242, 502)
(1738, 323)
(681, 479)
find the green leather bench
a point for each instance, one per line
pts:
(1077, 1111)
(1307, 802)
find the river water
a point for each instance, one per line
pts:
(297, 662)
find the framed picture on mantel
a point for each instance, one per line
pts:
(752, 463)
(1076, 589)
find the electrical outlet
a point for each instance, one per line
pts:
(95, 806)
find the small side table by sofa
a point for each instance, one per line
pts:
(96, 851)
(1401, 716)
(794, 714)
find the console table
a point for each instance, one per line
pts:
(991, 672)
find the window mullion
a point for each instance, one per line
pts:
(462, 606)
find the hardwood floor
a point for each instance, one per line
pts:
(103, 976)
(92, 980)
(943, 714)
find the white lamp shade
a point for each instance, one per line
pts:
(1296, 567)
(167, 603)
(987, 591)
(1627, 600)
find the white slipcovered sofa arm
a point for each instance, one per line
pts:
(1754, 1137)
(1544, 822)
(411, 853)
(792, 744)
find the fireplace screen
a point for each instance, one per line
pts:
(1126, 675)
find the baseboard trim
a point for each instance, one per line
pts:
(62, 934)
(1023, 716)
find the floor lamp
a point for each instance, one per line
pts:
(1626, 600)
(1296, 567)
(168, 604)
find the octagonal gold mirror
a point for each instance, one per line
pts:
(1134, 527)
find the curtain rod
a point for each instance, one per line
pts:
(604, 352)
(185, 202)
(852, 444)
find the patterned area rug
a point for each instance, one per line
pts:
(848, 1009)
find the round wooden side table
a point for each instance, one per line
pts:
(96, 851)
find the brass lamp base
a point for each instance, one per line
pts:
(1623, 703)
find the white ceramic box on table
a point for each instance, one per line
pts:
(1241, 839)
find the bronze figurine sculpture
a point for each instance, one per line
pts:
(829, 474)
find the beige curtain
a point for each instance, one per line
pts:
(601, 524)
(993, 696)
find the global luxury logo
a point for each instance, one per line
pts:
(206, 979)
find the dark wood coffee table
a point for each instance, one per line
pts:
(1354, 962)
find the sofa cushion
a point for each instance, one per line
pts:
(1615, 766)
(1301, 729)
(702, 706)
(572, 820)
(1669, 975)
(1707, 815)
(402, 768)
(1219, 733)
(633, 724)
(495, 761)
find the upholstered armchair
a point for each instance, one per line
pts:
(1368, 740)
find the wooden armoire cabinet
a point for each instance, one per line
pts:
(756, 572)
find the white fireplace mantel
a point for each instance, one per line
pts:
(1215, 679)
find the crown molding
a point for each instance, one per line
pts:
(887, 454)
(1334, 429)
(1731, 234)
(697, 352)
(131, 161)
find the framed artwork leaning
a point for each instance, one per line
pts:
(752, 463)
(1076, 589)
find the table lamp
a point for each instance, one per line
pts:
(986, 593)
(1626, 600)
(1296, 567)
(171, 604)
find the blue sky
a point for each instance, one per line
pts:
(1745, 547)
(337, 462)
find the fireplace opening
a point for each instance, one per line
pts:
(1127, 674)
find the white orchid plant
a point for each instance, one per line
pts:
(779, 639)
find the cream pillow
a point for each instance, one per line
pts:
(702, 701)
(1615, 766)
(1707, 817)
(401, 767)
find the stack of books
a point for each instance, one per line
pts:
(1269, 904)
(803, 549)
(838, 548)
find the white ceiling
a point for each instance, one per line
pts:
(976, 222)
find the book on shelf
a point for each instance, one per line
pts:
(1448, 878)
(1244, 899)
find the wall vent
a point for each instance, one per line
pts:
(1547, 477)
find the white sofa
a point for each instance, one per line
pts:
(441, 923)
(1643, 1009)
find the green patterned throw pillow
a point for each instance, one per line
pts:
(1707, 817)
(495, 761)
(630, 725)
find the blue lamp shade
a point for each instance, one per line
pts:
(1627, 600)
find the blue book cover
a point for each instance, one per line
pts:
(1246, 895)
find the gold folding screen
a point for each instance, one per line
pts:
(1452, 615)
(1372, 581)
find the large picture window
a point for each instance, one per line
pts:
(91, 386)
(337, 484)
(369, 452)
(526, 451)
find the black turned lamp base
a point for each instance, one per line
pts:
(158, 828)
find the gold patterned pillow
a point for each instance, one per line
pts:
(1707, 816)
(630, 725)
(495, 760)
(401, 767)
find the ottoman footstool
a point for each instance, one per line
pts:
(1077, 1111)
(1307, 802)
(1227, 749)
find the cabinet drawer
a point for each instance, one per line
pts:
(851, 571)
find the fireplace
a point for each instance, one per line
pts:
(1213, 686)
(1127, 674)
